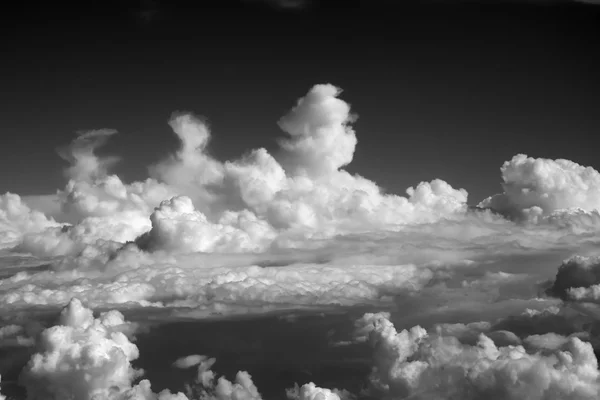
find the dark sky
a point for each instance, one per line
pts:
(443, 89)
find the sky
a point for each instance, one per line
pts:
(442, 90)
(301, 200)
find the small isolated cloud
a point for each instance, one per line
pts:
(310, 391)
(206, 388)
(189, 361)
(190, 169)
(321, 138)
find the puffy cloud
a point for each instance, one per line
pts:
(191, 169)
(465, 333)
(206, 388)
(109, 195)
(577, 278)
(81, 358)
(307, 192)
(415, 364)
(17, 219)
(177, 226)
(85, 358)
(97, 206)
(242, 205)
(253, 181)
(85, 164)
(321, 140)
(310, 391)
(549, 341)
(541, 186)
(189, 361)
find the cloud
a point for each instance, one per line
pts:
(577, 278)
(310, 391)
(189, 361)
(548, 341)
(256, 204)
(85, 164)
(294, 230)
(206, 388)
(87, 358)
(191, 169)
(82, 357)
(541, 186)
(114, 280)
(17, 219)
(415, 364)
(177, 226)
(577, 282)
(321, 139)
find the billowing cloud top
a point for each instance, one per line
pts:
(542, 186)
(321, 139)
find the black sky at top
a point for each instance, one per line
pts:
(443, 89)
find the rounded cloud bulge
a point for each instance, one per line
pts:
(536, 187)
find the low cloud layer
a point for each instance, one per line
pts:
(507, 289)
